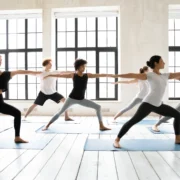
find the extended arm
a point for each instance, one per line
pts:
(131, 75)
(99, 75)
(127, 82)
(25, 72)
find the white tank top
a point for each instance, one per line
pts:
(143, 89)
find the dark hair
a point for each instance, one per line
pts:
(142, 70)
(46, 62)
(78, 63)
(153, 59)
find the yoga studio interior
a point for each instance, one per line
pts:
(89, 89)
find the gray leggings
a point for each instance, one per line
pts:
(85, 102)
(133, 103)
(164, 119)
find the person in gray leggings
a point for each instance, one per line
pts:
(80, 80)
(163, 120)
(143, 90)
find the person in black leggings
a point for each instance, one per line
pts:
(8, 109)
(153, 101)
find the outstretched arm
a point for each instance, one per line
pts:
(131, 75)
(60, 75)
(98, 75)
(25, 72)
(174, 75)
(127, 82)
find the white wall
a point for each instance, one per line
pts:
(143, 32)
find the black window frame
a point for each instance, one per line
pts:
(96, 49)
(25, 50)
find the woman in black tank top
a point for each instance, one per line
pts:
(80, 80)
(6, 108)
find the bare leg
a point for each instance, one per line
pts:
(30, 110)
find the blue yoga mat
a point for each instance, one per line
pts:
(143, 122)
(132, 145)
(163, 130)
(40, 144)
(76, 129)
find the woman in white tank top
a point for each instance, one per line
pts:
(143, 91)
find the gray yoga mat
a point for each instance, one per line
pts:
(132, 145)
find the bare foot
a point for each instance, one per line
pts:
(69, 119)
(45, 128)
(117, 115)
(116, 144)
(103, 128)
(19, 140)
(155, 128)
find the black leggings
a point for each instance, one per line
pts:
(10, 110)
(145, 109)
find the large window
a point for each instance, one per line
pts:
(21, 48)
(93, 39)
(174, 57)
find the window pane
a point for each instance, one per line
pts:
(12, 25)
(61, 80)
(70, 24)
(39, 60)
(39, 25)
(91, 91)
(12, 63)
(20, 25)
(91, 58)
(171, 38)
(12, 91)
(111, 23)
(61, 59)
(81, 24)
(91, 42)
(14, 79)
(103, 71)
(3, 41)
(32, 79)
(3, 26)
(171, 24)
(31, 25)
(12, 41)
(20, 41)
(81, 39)
(102, 39)
(70, 58)
(103, 90)
(61, 40)
(21, 91)
(21, 60)
(69, 88)
(31, 91)
(39, 40)
(93, 71)
(82, 54)
(91, 24)
(111, 39)
(21, 78)
(61, 24)
(171, 58)
(70, 39)
(31, 59)
(111, 59)
(111, 90)
(177, 38)
(177, 69)
(32, 40)
(2, 67)
(102, 59)
(177, 24)
(102, 23)
(62, 89)
(177, 59)
(177, 92)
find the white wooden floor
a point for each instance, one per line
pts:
(64, 158)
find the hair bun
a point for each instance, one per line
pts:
(148, 63)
